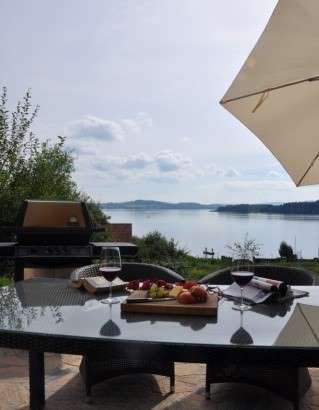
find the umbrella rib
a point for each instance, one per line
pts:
(278, 87)
(308, 169)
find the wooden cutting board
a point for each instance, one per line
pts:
(172, 307)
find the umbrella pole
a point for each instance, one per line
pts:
(278, 87)
(308, 169)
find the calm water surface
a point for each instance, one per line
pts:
(198, 229)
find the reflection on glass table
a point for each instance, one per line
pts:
(110, 328)
(241, 336)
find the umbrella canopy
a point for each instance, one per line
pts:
(276, 92)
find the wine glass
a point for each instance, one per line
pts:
(242, 278)
(110, 267)
(250, 261)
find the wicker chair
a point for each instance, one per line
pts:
(292, 276)
(289, 382)
(95, 370)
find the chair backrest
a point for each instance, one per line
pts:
(133, 270)
(292, 276)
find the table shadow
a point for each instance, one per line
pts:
(194, 322)
(143, 391)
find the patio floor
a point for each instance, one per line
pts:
(64, 389)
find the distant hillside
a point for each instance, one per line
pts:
(145, 204)
(302, 208)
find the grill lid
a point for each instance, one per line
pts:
(53, 222)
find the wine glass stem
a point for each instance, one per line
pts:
(110, 293)
(242, 296)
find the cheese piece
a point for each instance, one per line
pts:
(175, 291)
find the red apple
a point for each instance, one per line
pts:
(199, 294)
(186, 298)
(188, 285)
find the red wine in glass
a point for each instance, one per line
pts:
(109, 273)
(110, 267)
(242, 278)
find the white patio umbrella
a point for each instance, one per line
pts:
(276, 92)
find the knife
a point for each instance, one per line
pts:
(144, 300)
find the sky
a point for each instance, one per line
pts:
(134, 86)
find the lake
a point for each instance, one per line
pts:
(197, 229)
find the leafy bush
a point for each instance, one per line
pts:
(286, 251)
(155, 248)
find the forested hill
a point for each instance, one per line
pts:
(146, 204)
(303, 208)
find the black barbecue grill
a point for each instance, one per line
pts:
(55, 234)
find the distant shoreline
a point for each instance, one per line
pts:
(153, 205)
(289, 208)
(158, 208)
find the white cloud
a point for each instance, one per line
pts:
(89, 141)
(130, 126)
(185, 139)
(167, 178)
(213, 169)
(259, 185)
(168, 161)
(139, 161)
(231, 173)
(80, 148)
(107, 130)
(165, 166)
(107, 163)
(114, 164)
(144, 119)
(97, 128)
(274, 174)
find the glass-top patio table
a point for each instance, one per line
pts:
(46, 315)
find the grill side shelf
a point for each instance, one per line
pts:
(53, 251)
(7, 249)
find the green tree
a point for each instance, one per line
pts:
(30, 169)
(155, 248)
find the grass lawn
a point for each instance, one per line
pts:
(196, 268)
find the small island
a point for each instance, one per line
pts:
(301, 208)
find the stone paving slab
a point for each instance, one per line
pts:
(65, 390)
